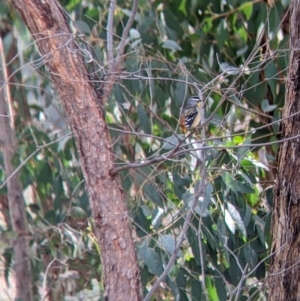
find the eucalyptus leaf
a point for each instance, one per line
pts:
(266, 107)
(260, 226)
(151, 259)
(169, 243)
(172, 45)
(171, 142)
(236, 217)
(247, 8)
(228, 69)
(250, 256)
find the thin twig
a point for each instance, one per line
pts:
(126, 30)
(109, 33)
(29, 157)
(178, 151)
(45, 292)
(238, 288)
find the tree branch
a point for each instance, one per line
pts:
(17, 211)
(109, 33)
(126, 29)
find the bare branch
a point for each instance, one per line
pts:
(109, 33)
(29, 157)
(126, 29)
(177, 151)
(15, 198)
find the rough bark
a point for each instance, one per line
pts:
(85, 114)
(16, 204)
(284, 280)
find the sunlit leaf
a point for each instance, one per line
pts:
(236, 217)
(211, 289)
(247, 8)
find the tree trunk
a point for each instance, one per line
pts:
(284, 278)
(22, 266)
(85, 113)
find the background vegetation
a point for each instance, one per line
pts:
(236, 52)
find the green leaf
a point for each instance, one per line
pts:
(229, 181)
(237, 218)
(266, 107)
(254, 198)
(45, 174)
(171, 142)
(247, 216)
(144, 119)
(243, 34)
(202, 207)
(247, 8)
(134, 34)
(244, 188)
(151, 259)
(146, 211)
(153, 195)
(221, 288)
(194, 243)
(181, 278)
(182, 7)
(82, 27)
(222, 33)
(250, 256)
(222, 235)
(268, 221)
(276, 117)
(211, 289)
(132, 62)
(260, 227)
(172, 285)
(228, 69)
(181, 181)
(169, 244)
(172, 45)
(180, 92)
(157, 217)
(271, 74)
(77, 213)
(241, 152)
(196, 290)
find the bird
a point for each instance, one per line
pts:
(191, 114)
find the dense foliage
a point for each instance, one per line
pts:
(236, 53)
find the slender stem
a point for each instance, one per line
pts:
(109, 31)
(127, 28)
